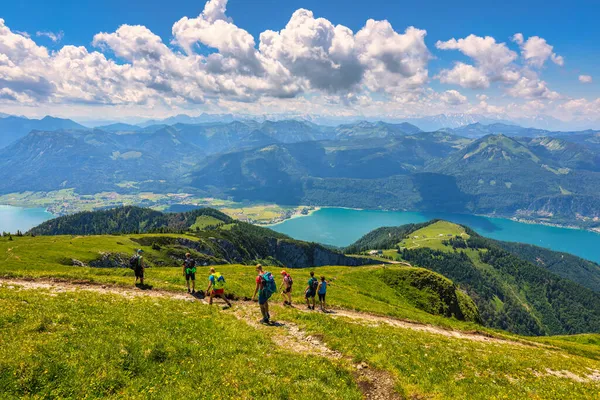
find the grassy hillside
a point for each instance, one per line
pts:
(164, 344)
(129, 220)
(212, 237)
(188, 347)
(510, 292)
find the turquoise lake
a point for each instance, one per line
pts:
(341, 227)
(13, 219)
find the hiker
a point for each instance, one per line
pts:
(311, 291)
(322, 291)
(137, 264)
(189, 271)
(216, 282)
(265, 287)
(286, 292)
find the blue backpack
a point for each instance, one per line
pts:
(268, 284)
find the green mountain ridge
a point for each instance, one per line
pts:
(511, 292)
(215, 238)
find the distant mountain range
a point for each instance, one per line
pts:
(497, 168)
(14, 128)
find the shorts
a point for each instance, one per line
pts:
(310, 294)
(139, 272)
(218, 292)
(287, 290)
(191, 275)
(262, 298)
(322, 296)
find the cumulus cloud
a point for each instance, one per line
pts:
(495, 62)
(581, 107)
(210, 57)
(453, 97)
(532, 88)
(585, 79)
(491, 58)
(465, 75)
(55, 37)
(536, 51)
(309, 65)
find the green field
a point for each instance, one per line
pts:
(433, 235)
(109, 339)
(67, 201)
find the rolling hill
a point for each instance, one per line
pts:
(215, 237)
(511, 292)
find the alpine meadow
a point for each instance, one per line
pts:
(226, 199)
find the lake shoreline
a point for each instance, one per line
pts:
(342, 227)
(511, 218)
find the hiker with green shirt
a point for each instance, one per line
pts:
(311, 291)
(137, 264)
(189, 271)
(322, 291)
(265, 287)
(216, 282)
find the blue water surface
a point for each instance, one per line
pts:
(341, 227)
(13, 219)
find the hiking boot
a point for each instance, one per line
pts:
(189, 291)
(193, 292)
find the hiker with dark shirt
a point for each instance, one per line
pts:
(311, 291)
(322, 291)
(216, 282)
(138, 266)
(286, 286)
(265, 287)
(189, 271)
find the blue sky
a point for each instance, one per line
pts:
(550, 88)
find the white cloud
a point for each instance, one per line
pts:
(466, 76)
(55, 37)
(536, 51)
(532, 88)
(490, 57)
(585, 79)
(308, 66)
(495, 62)
(453, 97)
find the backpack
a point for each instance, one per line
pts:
(134, 262)
(190, 266)
(268, 284)
(219, 281)
(314, 284)
(290, 280)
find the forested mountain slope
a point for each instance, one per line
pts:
(215, 237)
(510, 292)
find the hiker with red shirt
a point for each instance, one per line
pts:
(265, 287)
(286, 291)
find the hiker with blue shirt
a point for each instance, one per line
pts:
(265, 287)
(322, 291)
(216, 282)
(311, 291)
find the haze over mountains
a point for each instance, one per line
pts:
(497, 168)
